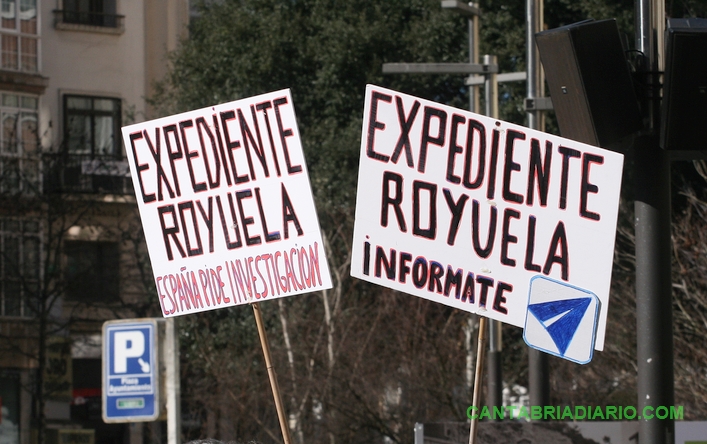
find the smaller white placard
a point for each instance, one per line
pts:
(226, 205)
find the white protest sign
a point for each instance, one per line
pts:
(226, 205)
(466, 210)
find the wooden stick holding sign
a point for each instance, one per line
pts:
(476, 400)
(272, 375)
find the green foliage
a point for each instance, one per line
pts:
(326, 52)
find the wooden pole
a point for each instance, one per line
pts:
(476, 401)
(271, 375)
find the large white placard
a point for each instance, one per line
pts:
(466, 210)
(226, 205)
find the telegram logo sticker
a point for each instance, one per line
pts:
(561, 319)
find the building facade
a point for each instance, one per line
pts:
(72, 73)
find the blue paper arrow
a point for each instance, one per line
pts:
(562, 330)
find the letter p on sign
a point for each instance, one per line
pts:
(127, 344)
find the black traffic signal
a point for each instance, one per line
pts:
(590, 82)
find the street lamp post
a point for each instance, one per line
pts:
(538, 371)
(654, 323)
(472, 13)
(489, 68)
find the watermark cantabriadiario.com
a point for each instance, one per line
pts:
(576, 413)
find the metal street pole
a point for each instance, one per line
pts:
(654, 321)
(476, 398)
(490, 80)
(171, 353)
(538, 371)
(495, 374)
(472, 13)
(474, 58)
(494, 368)
(474, 105)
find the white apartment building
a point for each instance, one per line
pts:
(72, 72)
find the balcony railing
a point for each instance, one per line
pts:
(86, 174)
(68, 19)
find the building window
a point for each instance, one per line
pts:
(92, 271)
(10, 406)
(19, 266)
(19, 145)
(91, 159)
(86, 385)
(19, 35)
(100, 13)
(92, 126)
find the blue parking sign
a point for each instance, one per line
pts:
(130, 371)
